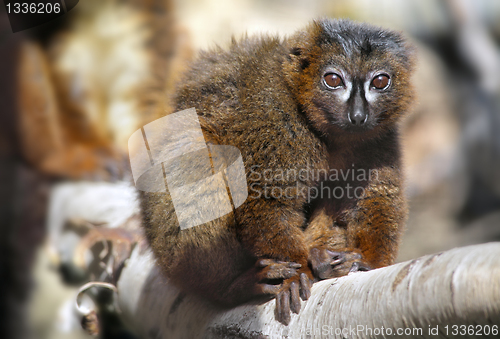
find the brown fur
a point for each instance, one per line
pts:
(264, 97)
(83, 89)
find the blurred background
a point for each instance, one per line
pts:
(73, 90)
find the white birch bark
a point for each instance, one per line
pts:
(419, 298)
(459, 288)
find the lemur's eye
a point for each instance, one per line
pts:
(380, 81)
(333, 80)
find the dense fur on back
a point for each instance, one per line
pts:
(265, 96)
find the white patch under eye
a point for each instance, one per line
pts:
(370, 96)
(346, 93)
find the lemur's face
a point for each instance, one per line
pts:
(354, 102)
(357, 78)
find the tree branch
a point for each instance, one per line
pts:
(418, 298)
(456, 287)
